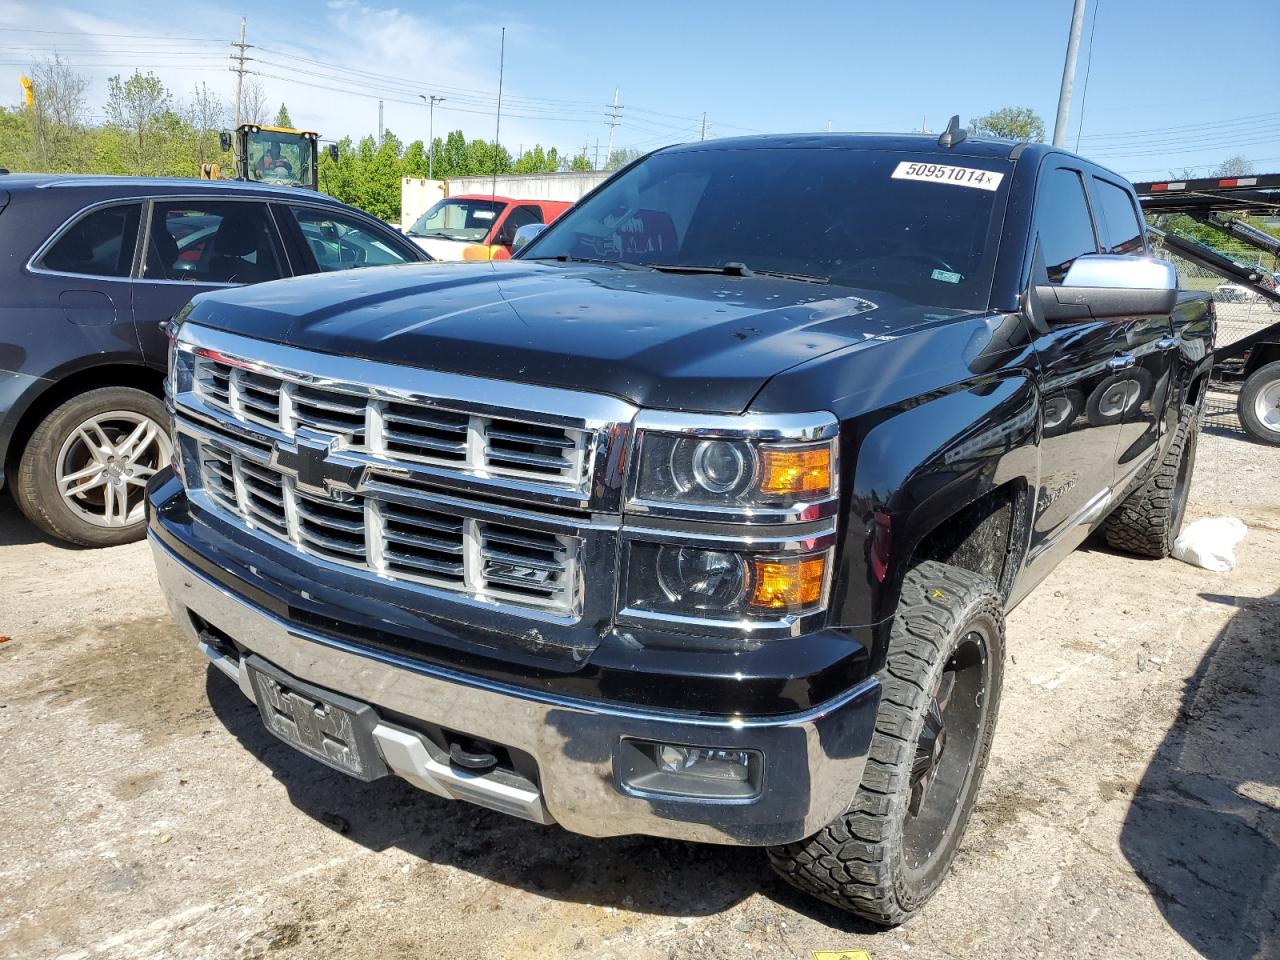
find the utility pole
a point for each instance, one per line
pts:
(239, 69)
(379, 123)
(596, 165)
(614, 114)
(1068, 74)
(703, 134)
(431, 130)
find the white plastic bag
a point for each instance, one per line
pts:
(1210, 543)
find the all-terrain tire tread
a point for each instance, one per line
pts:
(1143, 522)
(850, 863)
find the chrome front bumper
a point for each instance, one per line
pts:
(813, 760)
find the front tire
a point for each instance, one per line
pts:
(83, 471)
(888, 853)
(1259, 403)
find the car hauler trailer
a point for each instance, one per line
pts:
(1249, 302)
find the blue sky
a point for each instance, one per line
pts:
(1155, 101)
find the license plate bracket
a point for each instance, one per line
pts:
(326, 726)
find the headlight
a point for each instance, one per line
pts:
(761, 468)
(727, 584)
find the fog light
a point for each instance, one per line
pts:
(692, 773)
(705, 762)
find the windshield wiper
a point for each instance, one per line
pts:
(736, 269)
(567, 258)
(436, 235)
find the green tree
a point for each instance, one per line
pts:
(1010, 123)
(580, 163)
(282, 117)
(1236, 166)
(15, 138)
(620, 158)
(205, 115)
(57, 117)
(453, 159)
(414, 162)
(380, 178)
(136, 108)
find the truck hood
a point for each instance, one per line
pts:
(693, 342)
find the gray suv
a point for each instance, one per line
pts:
(90, 267)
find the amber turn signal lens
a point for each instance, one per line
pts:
(788, 584)
(477, 251)
(797, 471)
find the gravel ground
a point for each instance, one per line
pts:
(1132, 808)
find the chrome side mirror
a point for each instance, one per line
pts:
(524, 235)
(1105, 286)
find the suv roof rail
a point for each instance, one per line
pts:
(953, 134)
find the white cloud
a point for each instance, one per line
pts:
(331, 89)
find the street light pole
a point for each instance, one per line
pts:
(431, 131)
(1068, 74)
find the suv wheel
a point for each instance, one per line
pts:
(84, 469)
(1148, 520)
(1259, 404)
(940, 693)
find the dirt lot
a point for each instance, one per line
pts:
(1132, 808)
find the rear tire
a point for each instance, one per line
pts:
(888, 853)
(1259, 403)
(83, 470)
(1148, 520)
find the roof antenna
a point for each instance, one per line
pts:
(953, 134)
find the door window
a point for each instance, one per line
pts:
(1066, 229)
(340, 242)
(99, 244)
(1122, 233)
(521, 216)
(219, 242)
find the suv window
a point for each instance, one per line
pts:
(99, 244)
(219, 242)
(341, 242)
(1122, 233)
(1066, 229)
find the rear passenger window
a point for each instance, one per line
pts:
(218, 242)
(1062, 216)
(1122, 233)
(99, 244)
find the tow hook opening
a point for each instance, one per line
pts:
(473, 755)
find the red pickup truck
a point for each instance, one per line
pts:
(478, 226)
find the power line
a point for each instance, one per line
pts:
(1088, 68)
(128, 36)
(1206, 125)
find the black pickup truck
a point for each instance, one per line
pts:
(700, 518)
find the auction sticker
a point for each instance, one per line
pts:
(942, 173)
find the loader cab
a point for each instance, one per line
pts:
(276, 155)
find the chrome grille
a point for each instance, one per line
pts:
(414, 433)
(400, 541)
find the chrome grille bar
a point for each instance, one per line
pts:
(493, 446)
(423, 544)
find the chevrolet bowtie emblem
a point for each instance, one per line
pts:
(317, 468)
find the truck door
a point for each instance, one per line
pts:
(1077, 453)
(1138, 394)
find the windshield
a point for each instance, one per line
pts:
(898, 222)
(280, 158)
(466, 220)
